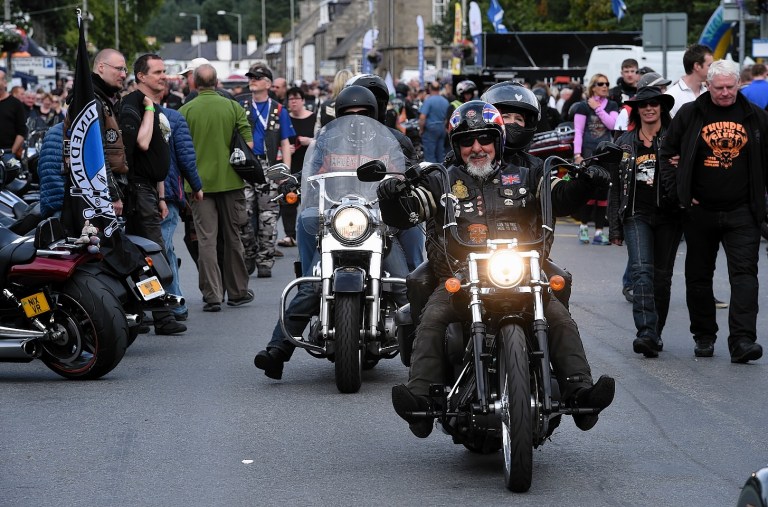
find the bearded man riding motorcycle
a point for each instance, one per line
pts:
(497, 187)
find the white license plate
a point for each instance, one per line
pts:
(150, 288)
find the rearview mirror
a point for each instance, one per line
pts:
(373, 170)
(607, 153)
(277, 172)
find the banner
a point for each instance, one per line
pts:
(619, 8)
(86, 196)
(420, 26)
(369, 39)
(496, 17)
(476, 30)
(457, 36)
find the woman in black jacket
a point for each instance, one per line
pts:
(639, 214)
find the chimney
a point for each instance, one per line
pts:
(199, 37)
(224, 48)
(251, 45)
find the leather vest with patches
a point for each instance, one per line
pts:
(111, 136)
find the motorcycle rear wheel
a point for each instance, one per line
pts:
(94, 326)
(516, 423)
(347, 350)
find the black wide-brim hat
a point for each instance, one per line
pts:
(647, 93)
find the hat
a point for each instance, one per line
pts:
(259, 70)
(194, 64)
(647, 93)
(652, 79)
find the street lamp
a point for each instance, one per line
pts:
(239, 30)
(197, 17)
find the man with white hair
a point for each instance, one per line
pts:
(720, 181)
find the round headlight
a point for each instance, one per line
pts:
(350, 224)
(506, 269)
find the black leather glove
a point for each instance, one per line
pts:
(389, 189)
(287, 186)
(597, 176)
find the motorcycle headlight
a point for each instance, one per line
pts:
(506, 269)
(350, 224)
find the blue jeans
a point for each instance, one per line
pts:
(739, 234)
(168, 227)
(433, 143)
(412, 241)
(652, 242)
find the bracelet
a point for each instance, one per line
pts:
(161, 198)
(149, 108)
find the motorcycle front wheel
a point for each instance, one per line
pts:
(347, 350)
(516, 424)
(92, 326)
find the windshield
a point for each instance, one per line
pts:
(339, 149)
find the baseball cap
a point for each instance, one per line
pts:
(652, 79)
(259, 70)
(195, 64)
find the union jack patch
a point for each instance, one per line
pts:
(510, 179)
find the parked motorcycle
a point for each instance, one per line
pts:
(500, 392)
(54, 310)
(355, 326)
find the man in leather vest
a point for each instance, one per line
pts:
(495, 200)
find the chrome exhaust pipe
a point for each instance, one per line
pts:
(18, 350)
(132, 318)
(14, 332)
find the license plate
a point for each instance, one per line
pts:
(35, 305)
(150, 288)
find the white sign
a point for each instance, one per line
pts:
(40, 66)
(759, 48)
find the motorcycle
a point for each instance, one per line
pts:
(54, 310)
(355, 325)
(558, 142)
(500, 391)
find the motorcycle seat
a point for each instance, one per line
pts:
(13, 253)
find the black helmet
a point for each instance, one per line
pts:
(356, 96)
(402, 89)
(476, 117)
(377, 86)
(512, 97)
(465, 86)
(542, 96)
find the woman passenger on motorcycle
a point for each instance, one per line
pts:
(353, 100)
(638, 214)
(478, 139)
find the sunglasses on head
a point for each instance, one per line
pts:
(601, 83)
(646, 103)
(483, 139)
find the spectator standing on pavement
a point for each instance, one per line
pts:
(327, 108)
(757, 91)
(272, 129)
(212, 120)
(627, 84)
(280, 90)
(593, 121)
(432, 118)
(647, 79)
(696, 61)
(146, 136)
(639, 214)
(13, 129)
(720, 181)
(304, 124)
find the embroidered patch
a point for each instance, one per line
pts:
(478, 233)
(460, 190)
(510, 179)
(111, 136)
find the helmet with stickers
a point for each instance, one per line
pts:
(475, 118)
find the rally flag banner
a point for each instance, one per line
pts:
(86, 195)
(619, 8)
(496, 17)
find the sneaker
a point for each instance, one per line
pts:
(720, 304)
(584, 235)
(600, 239)
(271, 361)
(241, 301)
(264, 272)
(405, 402)
(212, 307)
(627, 291)
(599, 396)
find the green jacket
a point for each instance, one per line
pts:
(211, 120)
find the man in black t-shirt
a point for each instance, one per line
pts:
(721, 184)
(146, 133)
(13, 118)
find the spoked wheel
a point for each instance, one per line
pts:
(93, 332)
(348, 363)
(515, 389)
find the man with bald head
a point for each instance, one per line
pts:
(212, 120)
(13, 119)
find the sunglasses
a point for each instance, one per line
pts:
(601, 83)
(646, 103)
(483, 139)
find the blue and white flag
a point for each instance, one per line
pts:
(86, 195)
(619, 8)
(496, 17)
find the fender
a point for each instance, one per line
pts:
(348, 279)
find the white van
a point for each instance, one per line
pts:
(607, 60)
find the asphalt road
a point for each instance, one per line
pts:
(189, 421)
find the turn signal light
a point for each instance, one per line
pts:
(148, 260)
(453, 285)
(291, 198)
(557, 283)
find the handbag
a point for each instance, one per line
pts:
(245, 163)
